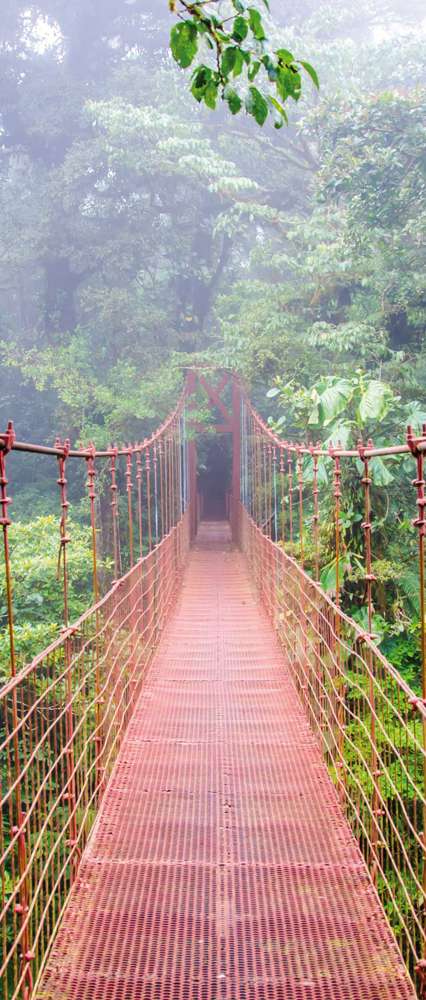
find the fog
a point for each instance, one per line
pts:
(141, 231)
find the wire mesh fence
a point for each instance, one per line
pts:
(63, 719)
(369, 724)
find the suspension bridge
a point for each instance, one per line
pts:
(213, 783)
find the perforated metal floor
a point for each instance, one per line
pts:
(220, 865)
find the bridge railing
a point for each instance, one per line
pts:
(63, 716)
(63, 721)
(370, 727)
(369, 723)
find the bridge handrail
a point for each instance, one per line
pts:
(8, 442)
(64, 716)
(370, 726)
(68, 633)
(335, 450)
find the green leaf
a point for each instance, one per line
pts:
(253, 71)
(256, 25)
(415, 415)
(333, 400)
(257, 105)
(289, 83)
(312, 72)
(278, 107)
(211, 94)
(240, 30)
(201, 79)
(409, 583)
(184, 43)
(375, 401)
(228, 60)
(239, 62)
(340, 434)
(272, 393)
(233, 100)
(284, 56)
(380, 473)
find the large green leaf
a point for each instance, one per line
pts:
(233, 99)
(375, 401)
(340, 434)
(380, 473)
(311, 71)
(256, 105)
(256, 24)
(409, 583)
(240, 30)
(228, 59)
(184, 43)
(415, 415)
(334, 399)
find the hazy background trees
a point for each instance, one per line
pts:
(137, 228)
(141, 232)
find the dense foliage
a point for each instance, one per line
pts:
(239, 42)
(38, 601)
(141, 233)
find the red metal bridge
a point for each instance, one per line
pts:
(213, 783)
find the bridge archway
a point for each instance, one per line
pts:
(221, 391)
(214, 474)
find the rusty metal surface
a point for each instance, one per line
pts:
(220, 865)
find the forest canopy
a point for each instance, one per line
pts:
(141, 231)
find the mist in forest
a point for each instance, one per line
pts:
(141, 232)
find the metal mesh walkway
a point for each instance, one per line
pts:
(220, 865)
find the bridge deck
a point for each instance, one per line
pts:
(220, 865)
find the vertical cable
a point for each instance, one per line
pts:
(70, 794)
(300, 486)
(369, 580)
(19, 829)
(156, 517)
(129, 488)
(139, 485)
(290, 493)
(114, 512)
(315, 519)
(282, 485)
(337, 498)
(420, 523)
(148, 494)
(274, 461)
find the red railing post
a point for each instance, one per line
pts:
(316, 515)
(236, 457)
(129, 488)
(290, 492)
(98, 739)
(369, 580)
(420, 523)
(139, 480)
(70, 794)
(114, 513)
(300, 491)
(19, 829)
(282, 484)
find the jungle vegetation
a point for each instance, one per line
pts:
(143, 230)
